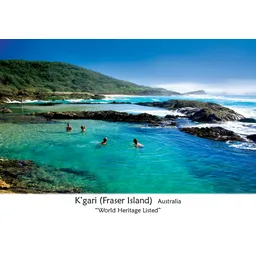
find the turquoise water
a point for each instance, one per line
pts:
(234, 101)
(170, 162)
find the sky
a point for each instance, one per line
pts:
(216, 66)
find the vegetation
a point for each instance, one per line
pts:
(41, 78)
(199, 92)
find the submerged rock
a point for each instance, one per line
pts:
(48, 103)
(11, 170)
(5, 110)
(213, 133)
(18, 176)
(198, 111)
(252, 137)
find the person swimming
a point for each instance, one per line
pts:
(137, 144)
(68, 128)
(83, 128)
(104, 142)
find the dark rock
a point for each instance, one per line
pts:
(120, 102)
(48, 103)
(213, 133)
(113, 116)
(247, 120)
(26, 177)
(198, 111)
(5, 110)
(98, 97)
(163, 124)
(154, 125)
(172, 124)
(203, 115)
(11, 169)
(172, 117)
(252, 137)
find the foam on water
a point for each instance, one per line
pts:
(244, 105)
(224, 98)
(246, 112)
(74, 100)
(243, 145)
(237, 127)
(243, 129)
(155, 111)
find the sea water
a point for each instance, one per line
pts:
(170, 162)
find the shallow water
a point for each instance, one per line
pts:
(245, 105)
(170, 162)
(129, 108)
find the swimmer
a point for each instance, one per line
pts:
(137, 144)
(104, 142)
(68, 128)
(83, 128)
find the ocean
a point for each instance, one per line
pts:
(170, 162)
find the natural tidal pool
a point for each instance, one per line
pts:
(170, 162)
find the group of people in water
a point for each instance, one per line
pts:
(69, 128)
(104, 142)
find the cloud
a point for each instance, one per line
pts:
(231, 86)
(182, 87)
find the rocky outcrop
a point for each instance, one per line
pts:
(198, 111)
(248, 120)
(48, 103)
(5, 110)
(113, 116)
(19, 176)
(213, 133)
(252, 137)
(98, 97)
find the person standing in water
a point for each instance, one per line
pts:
(104, 142)
(137, 144)
(83, 128)
(68, 128)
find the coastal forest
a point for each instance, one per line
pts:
(20, 77)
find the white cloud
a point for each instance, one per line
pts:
(232, 86)
(182, 87)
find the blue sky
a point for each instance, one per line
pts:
(214, 65)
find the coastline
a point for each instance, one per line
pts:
(46, 180)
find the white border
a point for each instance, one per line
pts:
(53, 224)
(127, 19)
(200, 225)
